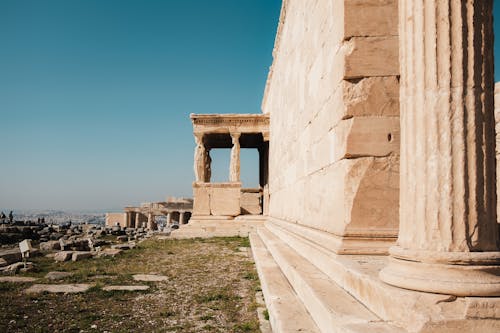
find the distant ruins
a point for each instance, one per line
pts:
(379, 168)
(176, 210)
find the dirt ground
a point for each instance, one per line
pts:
(211, 287)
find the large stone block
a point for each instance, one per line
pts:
(371, 56)
(201, 203)
(365, 136)
(250, 202)
(370, 18)
(225, 200)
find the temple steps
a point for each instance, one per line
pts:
(328, 305)
(286, 311)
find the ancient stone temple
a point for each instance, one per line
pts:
(175, 210)
(382, 218)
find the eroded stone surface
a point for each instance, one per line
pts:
(55, 275)
(21, 279)
(125, 288)
(58, 288)
(150, 277)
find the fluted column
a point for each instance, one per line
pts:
(181, 218)
(448, 237)
(234, 168)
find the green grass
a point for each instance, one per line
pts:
(210, 289)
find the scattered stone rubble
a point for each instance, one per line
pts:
(66, 242)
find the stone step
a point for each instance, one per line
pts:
(286, 312)
(330, 306)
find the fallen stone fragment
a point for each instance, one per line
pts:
(123, 246)
(58, 288)
(79, 255)
(125, 288)
(122, 238)
(109, 252)
(150, 277)
(50, 245)
(3, 262)
(63, 255)
(55, 275)
(14, 268)
(11, 255)
(17, 279)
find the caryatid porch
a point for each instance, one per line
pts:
(232, 131)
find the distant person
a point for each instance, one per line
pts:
(11, 217)
(42, 220)
(3, 217)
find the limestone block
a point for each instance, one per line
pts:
(201, 204)
(365, 136)
(370, 18)
(357, 197)
(79, 255)
(50, 246)
(63, 255)
(250, 203)
(371, 56)
(225, 201)
(372, 96)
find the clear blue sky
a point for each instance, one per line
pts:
(95, 95)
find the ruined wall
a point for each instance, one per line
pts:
(116, 218)
(333, 97)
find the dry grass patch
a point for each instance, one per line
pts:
(210, 288)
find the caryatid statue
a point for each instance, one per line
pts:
(208, 166)
(199, 159)
(234, 168)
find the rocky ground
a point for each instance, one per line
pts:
(194, 285)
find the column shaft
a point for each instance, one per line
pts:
(447, 189)
(137, 220)
(181, 218)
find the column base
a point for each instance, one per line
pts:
(452, 273)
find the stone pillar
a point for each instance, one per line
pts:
(137, 219)
(181, 218)
(448, 236)
(199, 158)
(150, 221)
(128, 219)
(234, 168)
(169, 219)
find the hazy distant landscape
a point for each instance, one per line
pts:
(58, 216)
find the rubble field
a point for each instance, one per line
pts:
(191, 285)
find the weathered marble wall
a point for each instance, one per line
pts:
(116, 218)
(497, 130)
(333, 97)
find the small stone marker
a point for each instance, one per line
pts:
(58, 288)
(150, 277)
(25, 248)
(125, 288)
